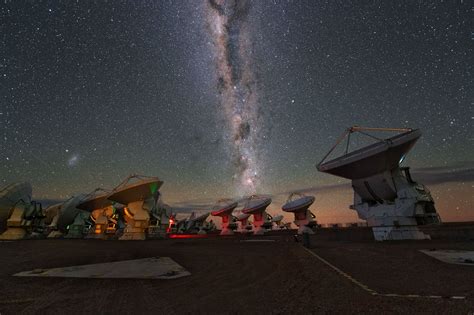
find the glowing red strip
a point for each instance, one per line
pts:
(188, 235)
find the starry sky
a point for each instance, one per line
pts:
(91, 92)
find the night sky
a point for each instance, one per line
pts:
(91, 92)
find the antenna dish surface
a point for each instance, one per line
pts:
(10, 195)
(256, 205)
(376, 158)
(141, 190)
(226, 210)
(95, 201)
(68, 212)
(300, 204)
(200, 218)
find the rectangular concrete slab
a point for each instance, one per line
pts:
(460, 257)
(146, 268)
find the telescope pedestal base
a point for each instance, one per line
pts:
(245, 227)
(245, 230)
(226, 231)
(261, 223)
(14, 225)
(259, 230)
(156, 232)
(304, 223)
(96, 236)
(97, 231)
(393, 233)
(138, 221)
(132, 234)
(55, 234)
(75, 231)
(13, 233)
(303, 229)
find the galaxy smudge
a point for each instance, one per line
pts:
(237, 86)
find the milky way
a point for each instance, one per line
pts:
(133, 87)
(237, 87)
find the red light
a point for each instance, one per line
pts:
(181, 236)
(170, 225)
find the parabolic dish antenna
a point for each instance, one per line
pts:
(135, 193)
(52, 211)
(243, 218)
(256, 205)
(10, 195)
(200, 218)
(97, 199)
(383, 155)
(196, 223)
(385, 194)
(300, 204)
(68, 212)
(135, 188)
(223, 209)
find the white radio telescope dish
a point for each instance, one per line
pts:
(385, 195)
(298, 204)
(256, 206)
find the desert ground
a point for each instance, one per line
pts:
(235, 275)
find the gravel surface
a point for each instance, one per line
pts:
(231, 276)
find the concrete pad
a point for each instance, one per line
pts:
(459, 257)
(146, 268)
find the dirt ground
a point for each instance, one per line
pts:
(232, 276)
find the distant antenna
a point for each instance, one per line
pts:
(101, 213)
(97, 199)
(384, 194)
(256, 206)
(133, 192)
(277, 222)
(64, 215)
(298, 204)
(223, 209)
(243, 219)
(196, 224)
(15, 200)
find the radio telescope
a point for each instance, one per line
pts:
(51, 219)
(161, 220)
(132, 193)
(223, 209)
(384, 193)
(276, 221)
(197, 224)
(66, 219)
(18, 214)
(256, 206)
(298, 204)
(101, 212)
(245, 226)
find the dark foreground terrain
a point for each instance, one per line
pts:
(233, 276)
